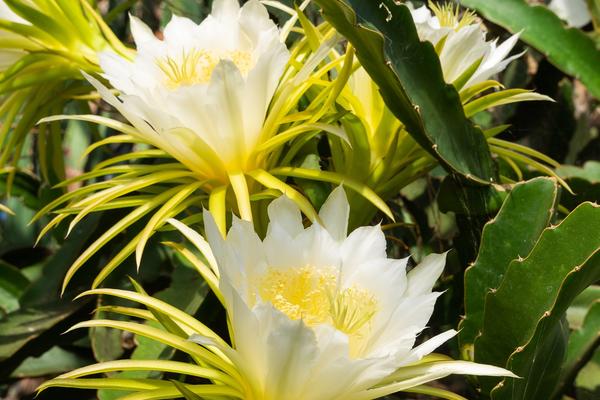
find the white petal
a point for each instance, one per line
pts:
(495, 61)
(8, 14)
(385, 280)
(282, 251)
(409, 377)
(118, 71)
(284, 217)
(142, 34)
(364, 244)
(335, 375)
(421, 14)
(225, 9)
(180, 33)
(470, 368)
(445, 368)
(226, 90)
(334, 214)
(575, 12)
(292, 350)
(262, 81)
(398, 333)
(213, 234)
(430, 345)
(250, 337)
(422, 277)
(461, 50)
(318, 248)
(146, 131)
(254, 19)
(384, 277)
(245, 258)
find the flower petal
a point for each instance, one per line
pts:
(142, 34)
(364, 244)
(225, 9)
(430, 345)
(575, 12)
(285, 218)
(422, 278)
(411, 376)
(291, 352)
(334, 214)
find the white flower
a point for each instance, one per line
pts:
(575, 12)
(202, 93)
(318, 314)
(461, 44)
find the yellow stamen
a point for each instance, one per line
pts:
(314, 296)
(299, 293)
(351, 309)
(449, 15)
(196, 66)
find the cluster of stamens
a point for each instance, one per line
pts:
(449, 15)
(314, 296)
(196, 66)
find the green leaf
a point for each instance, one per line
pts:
(24, 186)
(587, 384)
(524, 318)
(25, 330)
(410, 79)
(582, 344)
(106, 343)
(15, 235)
(579, 308)
(470, 200)
(589, 172)
(12, 285)
(316, 191)
(193, 9)
(539, 360)
(47, 287)
(512, 234)
(54, 361)
(569, 49)
(584, 181)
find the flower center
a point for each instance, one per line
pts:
(449, 16)
(196, 66)
(299, 293)
(313, 295)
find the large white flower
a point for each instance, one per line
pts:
(462, 45)
(318, 314)
(575, 12)
(202, 93)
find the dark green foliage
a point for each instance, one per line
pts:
(410, 79)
